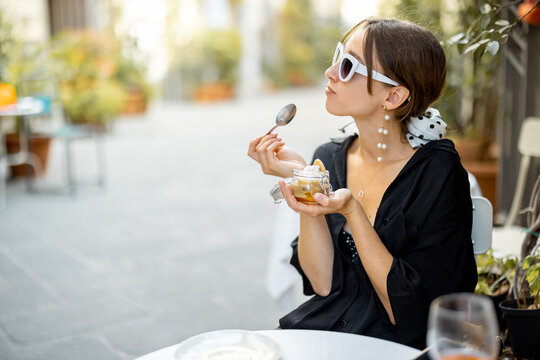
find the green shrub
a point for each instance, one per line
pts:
(86, 65)
(211, 56)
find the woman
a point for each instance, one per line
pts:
(397, 231)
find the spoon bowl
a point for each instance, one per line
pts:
(284, 116)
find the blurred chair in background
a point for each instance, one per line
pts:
(509, 238)
(61, 128)
(528, 146)
(68, 134)
(482, 226)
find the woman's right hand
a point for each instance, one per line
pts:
(274, 157)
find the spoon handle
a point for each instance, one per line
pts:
(272, 129)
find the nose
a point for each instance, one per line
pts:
(332, 72)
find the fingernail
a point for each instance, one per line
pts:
(317, 196)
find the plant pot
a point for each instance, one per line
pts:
(523, 328)
(135, 103)
(39, 145)
(297, 78)
(496, 300)
(469, 149)
(486, 173)
(213, 92)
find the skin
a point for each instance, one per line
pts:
(315, 248)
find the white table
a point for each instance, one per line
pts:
(320, 345)
(25, 107)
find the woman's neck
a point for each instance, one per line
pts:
(369, 137)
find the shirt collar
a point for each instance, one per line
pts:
(340, 157)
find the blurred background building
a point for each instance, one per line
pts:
(208, 50)
(177, 88)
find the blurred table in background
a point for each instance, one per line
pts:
(23, 110)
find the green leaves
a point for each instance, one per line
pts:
(509, 264)
(476, 45)
(486, 33)
(494, 273)
(493, 47)
(486, 8)
(502, 22)
(458, 39)
(531, 265)
(483, 288)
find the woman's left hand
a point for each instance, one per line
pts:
(341, 201)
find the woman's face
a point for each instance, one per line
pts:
(352, 98)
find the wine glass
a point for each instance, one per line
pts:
(462, 327)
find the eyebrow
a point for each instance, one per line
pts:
(357, 57)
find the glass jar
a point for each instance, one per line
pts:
(304, 184)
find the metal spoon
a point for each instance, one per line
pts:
(284, 116)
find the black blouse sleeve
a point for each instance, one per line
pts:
(436, 256)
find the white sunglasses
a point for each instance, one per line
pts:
(348, 65)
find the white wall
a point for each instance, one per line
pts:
(30, 18)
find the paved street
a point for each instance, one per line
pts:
(175, 245)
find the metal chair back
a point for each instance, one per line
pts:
(482, 226)
(528, 146)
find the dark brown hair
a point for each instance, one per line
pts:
(408, 54)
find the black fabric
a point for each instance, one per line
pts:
(424, 220)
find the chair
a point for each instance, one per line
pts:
(482, 225)
(528, 146)
(67, 133)
(508, 239)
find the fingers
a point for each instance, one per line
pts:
(288, 196)
(274, 147)
(266, 141)
(338, 202)
(265, 151)
(322, 199)
(252, 145)
(341, 201)
(274, 157)
(261, 144)
(311, 210)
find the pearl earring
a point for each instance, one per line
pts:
(382, 131)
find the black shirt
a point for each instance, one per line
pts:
(424, 220)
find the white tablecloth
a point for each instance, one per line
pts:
(320, 345)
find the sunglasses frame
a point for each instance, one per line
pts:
(357, 67)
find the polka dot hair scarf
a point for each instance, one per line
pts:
(423, 129)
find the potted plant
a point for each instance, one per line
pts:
(471, 34)
(303, 41)
(19, 61)
(478, 44)
(85, 66)
(495, 278)
(522, 313)
(131, 73)
(208, 65)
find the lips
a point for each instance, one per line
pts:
(329, 90)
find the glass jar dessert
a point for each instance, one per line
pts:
(305, 183)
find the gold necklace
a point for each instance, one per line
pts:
(362, 193)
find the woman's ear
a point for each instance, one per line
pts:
(396, 96)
